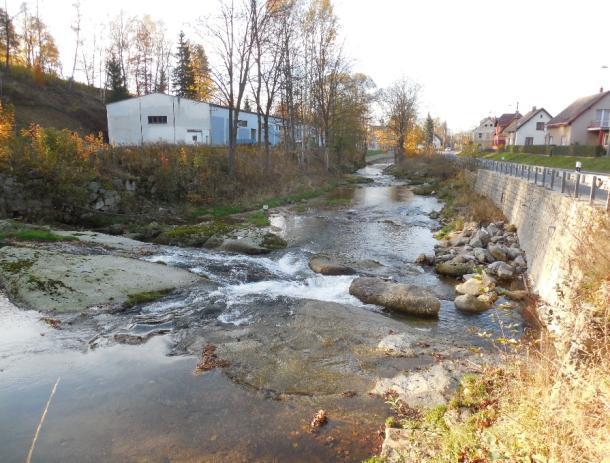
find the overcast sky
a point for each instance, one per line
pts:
(473, 58)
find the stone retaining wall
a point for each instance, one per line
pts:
(554, 230)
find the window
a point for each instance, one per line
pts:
(194, 137)
(157, 119)
(529, 141)
(550, 139)
(563, 140)
(242, 123)
(539, 125)
(480, 135)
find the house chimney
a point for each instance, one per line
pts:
(533, 108)
(601, 89)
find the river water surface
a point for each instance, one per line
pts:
(295, 342)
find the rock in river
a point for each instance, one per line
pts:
(470, 303)
(398, 297)
(455, 267)
(326, 266)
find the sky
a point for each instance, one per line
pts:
(473, 58)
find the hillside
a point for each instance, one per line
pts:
(52, 102)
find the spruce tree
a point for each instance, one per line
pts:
(161, 85)
(183, 77)
(429, 130)
(115, 81)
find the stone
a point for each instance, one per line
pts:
(498, 252)
(421, 388)
(480, 255)
(511, 228)
(474, 286)
(471, 304)
(398, 345)
(516, 295)
(493, 230)
(480, 239)
(455, 267)
(461, 241)
(326, 266)
(519, 262)
(425, 259)
(513, 252)
(501, 269)
(398, 297)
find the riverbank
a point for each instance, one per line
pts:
(534, 404)
(286, 342)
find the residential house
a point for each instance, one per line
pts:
(585, 122)
(502, 123)
(483, 134)
(510, 132)
(531, 128)
(161, 118)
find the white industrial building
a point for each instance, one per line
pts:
(160, 118)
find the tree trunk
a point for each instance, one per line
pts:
(267, 146)
(232, 141)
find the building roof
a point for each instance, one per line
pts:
(505, 119)
(528, 116)
(575, 110)
(512, 127)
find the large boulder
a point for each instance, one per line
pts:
(455, 267)
(398, 297)
(326, 266)
(471, 304)
(243, 246)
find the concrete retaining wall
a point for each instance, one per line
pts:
(554, 231)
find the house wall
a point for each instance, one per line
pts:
(246, 134)
(529, 130)
(484, 133)
(554, 134)
(577, 132)
(188, 121)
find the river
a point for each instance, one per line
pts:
(295, 341)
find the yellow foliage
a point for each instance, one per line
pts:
(7, 124)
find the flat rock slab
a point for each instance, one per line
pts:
(398, 297)
(55, 281)
(110, 241)
(326, 266)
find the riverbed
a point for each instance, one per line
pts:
(294, 342)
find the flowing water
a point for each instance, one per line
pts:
(295, 341)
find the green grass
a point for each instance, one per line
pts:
(259, 219)
(595, 164)
(207, 229)
(338, 201)
(36, 235)
(370, 153)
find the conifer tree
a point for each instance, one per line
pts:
(183, 77)
(115, 80)
(429, 130)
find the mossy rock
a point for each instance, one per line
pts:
(273, 241)
(193, 235)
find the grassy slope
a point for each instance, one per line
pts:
(53, 102)
(597, 164)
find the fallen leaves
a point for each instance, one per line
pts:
(319, 420)
(209, 360)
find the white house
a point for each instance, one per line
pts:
(437, 142)
(483, 135)
(157, 118)
(247, 127)
(531, 128)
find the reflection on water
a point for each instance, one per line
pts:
(136, 403)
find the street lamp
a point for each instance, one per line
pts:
(608, 136)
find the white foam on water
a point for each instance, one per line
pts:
(234, 318)
(318, 287)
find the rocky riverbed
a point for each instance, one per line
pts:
(339, 306)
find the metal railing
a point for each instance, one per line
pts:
(591, 186)
(600, 124)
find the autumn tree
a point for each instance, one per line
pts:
(400, 102)
(39, 48)
(121, 38)
(203, 87)
(183, 77)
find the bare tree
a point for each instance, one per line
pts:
(76, 27)
(233, 38)
(400, 102)
(121, 34)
